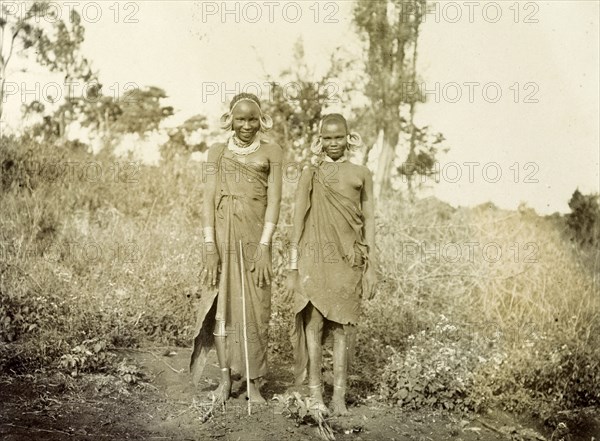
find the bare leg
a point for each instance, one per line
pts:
(224, 390)
(340, 362)
(314, 335)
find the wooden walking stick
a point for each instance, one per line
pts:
(243, 274)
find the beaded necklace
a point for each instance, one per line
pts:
(236, 146)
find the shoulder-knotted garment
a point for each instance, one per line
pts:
(240, 205)
(332, 260)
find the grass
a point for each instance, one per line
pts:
(112, 260)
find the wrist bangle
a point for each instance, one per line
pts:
(267, 233)
(209, 234)
(293, 257)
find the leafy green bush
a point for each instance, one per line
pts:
(89, 356)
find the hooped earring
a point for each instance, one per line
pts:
(354, 141)
(317, 146)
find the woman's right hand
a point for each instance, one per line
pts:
(291, 285)
(211, 265)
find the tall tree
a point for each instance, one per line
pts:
(391, 29)
(33, 27)
(16, 33)
(412, 100)
(60, 52)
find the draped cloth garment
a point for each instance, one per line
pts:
(240, 205)
(332, 258)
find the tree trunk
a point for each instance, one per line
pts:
(413, 103)
(1, 96)
(385, 160)
(2, 71)
(2, 79)
(5, 56)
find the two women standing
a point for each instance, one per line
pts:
(333, 209)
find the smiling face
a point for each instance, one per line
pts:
(246, 120)
(333, 136)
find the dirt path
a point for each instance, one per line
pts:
(167, 407)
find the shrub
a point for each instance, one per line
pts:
(584, 219)
(545, 377)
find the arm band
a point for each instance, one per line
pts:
(209, 234)
(267, 233)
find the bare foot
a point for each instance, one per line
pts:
(338, 404)
(315, 393)
(315, 402)
(223, 391)
(255, 396)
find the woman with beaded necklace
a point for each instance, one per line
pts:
(242, 195)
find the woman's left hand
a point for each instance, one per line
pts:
(263, 269)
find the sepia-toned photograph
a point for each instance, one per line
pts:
(300, 220)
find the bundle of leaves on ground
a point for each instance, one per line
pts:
(305, 411)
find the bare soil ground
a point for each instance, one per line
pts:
(167, 407)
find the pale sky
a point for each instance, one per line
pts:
(202, 57)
